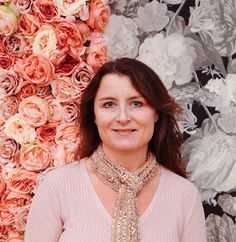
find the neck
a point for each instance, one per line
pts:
(131, 160)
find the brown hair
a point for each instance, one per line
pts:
(166, 140)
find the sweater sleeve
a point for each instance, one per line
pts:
(44, 222)
(194, 229)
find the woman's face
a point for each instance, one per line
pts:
(124, 119)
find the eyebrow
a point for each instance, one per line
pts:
(112, 98)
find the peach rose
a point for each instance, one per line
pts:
(35, 110)
(67, 133)
(2, 185)
(6, 61)
(37, 70)
(6, 217)
(22, 6)
(47, 132)
(29, 24)
(22, 182)
(27, 90)
(15, 45)
(65, 90)
(98, 15)
(70, 112)
(10, 83)
(70, 35)
(13, 199)
(35, 157)
(9, 106)
(65, 153)
(8, 20)
(68, 8)
(18, 129)
(8, 149)
(56, 110)
(20, 217)
(82, 75)
(45, 41)
(14, 240)
(46, 10)
(96, 52)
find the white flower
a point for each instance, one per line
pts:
(227, 120)
(211, 159)
(121, 37)
(228, 204)
(45, 41)
(67, 8)
(18, 129)
(225, 89)
(172, 57)
(152, 17)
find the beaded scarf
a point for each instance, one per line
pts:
(128, 185)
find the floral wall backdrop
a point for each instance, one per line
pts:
(191, 44)
(49, 51)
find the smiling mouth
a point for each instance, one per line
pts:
(124, 131)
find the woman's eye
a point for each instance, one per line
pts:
(108, 104)
(137, 104)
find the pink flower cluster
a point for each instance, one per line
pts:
(49, 51)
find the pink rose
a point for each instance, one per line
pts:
(29, 24)
(70, 112)
(43, 91)
(6, 61)
(98, 15)
(96, 52)
(13, 199)
(23, 6)
(47, 132)
(65, 153)
(22, 181)
(67, 133)
(15, 45)
(8, 149)
(35, 157)
(9, 106)
(65, 63)
(2, 185)
(65, 90)
(27, 90)
(20, 217)
(82, 75)
(35, 110)
(36, 69)
(8, 20)
(10, 83)
(46, 10)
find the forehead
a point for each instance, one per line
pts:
(115, 84)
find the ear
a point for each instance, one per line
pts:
(156, 117)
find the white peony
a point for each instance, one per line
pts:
(211, 159)
(152, 17)
(45, 41)
(228, 204)
(121, 37)
(172, 57)
(68, 8)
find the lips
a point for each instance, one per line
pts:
(124, 131)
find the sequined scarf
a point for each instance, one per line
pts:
(128, 185)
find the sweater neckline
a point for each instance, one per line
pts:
(102, 208)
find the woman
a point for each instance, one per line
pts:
(130, 182)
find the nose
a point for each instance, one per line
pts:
(123, 115)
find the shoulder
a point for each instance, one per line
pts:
(58, 176)
(180, 185)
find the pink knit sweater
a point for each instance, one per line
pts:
(66, 208)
